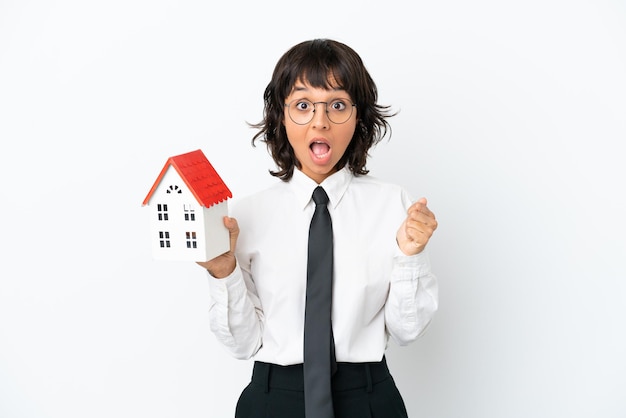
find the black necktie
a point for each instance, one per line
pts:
(319, 351)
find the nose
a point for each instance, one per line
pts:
(320, 116)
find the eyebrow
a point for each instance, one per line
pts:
(301, 87)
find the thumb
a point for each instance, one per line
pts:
(231, 224)
(233, 231)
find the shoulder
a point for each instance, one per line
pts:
(260, 201)
(380, 188)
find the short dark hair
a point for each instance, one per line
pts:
(320, 62)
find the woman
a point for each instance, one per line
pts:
(321, 118)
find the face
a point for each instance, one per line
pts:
(319, 144)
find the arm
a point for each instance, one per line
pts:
(235, 313)
(413, 294)
(413, 298)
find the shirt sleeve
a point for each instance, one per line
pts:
(235, 314)
(413, 297)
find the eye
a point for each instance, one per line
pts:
(303, 105)
(339, 105)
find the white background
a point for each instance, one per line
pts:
(512, 123)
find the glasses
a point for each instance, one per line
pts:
(301, 111)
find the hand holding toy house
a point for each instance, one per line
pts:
(188, 202)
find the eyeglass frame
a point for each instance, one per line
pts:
(287, 105)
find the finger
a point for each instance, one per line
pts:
(417, 237)
(233, 231)
(417, 230)
(232, 225)
(419, 211)
(424, 217)
(420, 205)
(422, 224)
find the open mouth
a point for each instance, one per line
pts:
(320, 149)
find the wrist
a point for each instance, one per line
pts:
(222, 271)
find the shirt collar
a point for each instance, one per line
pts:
(335, 186)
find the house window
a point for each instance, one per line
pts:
(162, 212)
(174, 189)
(189, 213)
(191, 240)
(164, 239)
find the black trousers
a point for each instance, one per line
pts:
(360, 390)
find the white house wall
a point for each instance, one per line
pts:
(170, 239)
(217, 240)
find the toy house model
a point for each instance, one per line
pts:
(188, 202)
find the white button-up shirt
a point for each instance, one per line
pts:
(378, 292)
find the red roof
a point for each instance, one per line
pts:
(200, 177)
